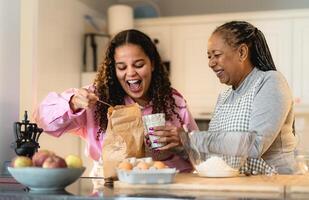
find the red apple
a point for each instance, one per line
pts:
(21, 161)
(39, 157)
(54, 162)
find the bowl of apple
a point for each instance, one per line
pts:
(46, 171)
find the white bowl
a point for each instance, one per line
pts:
(44, 180)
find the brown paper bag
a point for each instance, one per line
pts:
(124, 137)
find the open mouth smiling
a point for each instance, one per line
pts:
(134, 85)
(218, 72)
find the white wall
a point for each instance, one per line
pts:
(52, 42)
(60, 34)
(9, 76)
(28, 55)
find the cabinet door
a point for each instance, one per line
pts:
(301, 61)
(278, 34)
(190, 73)
(161, 33)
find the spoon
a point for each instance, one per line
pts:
(103, 102)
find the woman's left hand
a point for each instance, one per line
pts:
(168, 135)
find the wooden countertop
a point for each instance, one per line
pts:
(273, 184)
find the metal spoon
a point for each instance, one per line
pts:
(104, 103)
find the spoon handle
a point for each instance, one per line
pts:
(104, 103)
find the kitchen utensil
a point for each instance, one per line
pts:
(26, 135)
(103, 102)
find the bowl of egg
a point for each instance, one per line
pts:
(145, 171)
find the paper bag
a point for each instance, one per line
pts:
(124, 137)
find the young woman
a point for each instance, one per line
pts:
(131, 73)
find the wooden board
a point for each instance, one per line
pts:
(272, 184)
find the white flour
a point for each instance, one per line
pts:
(216, 167)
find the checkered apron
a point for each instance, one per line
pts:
(234, 118)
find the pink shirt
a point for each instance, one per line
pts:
(56, 118)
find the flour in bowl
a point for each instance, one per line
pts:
(216, 167)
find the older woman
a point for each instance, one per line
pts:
(259, 99)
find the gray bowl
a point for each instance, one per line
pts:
(44, 180)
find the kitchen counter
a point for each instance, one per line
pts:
(186, 186)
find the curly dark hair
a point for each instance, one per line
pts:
(236, 33)
(108, 88)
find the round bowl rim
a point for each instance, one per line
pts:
(56, 179)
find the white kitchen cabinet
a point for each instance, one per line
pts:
(160, 33)
(190, 73)
(278, 34)
(300, 53)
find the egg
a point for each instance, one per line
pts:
(133, 161)
(142, 166)
(148, 160)
(159, 165)
(125, 165)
